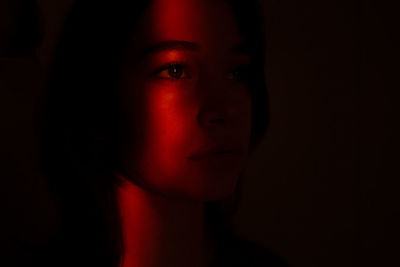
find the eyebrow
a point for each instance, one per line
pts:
(184, 45)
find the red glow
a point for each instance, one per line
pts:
(176, 118)
(183, 15)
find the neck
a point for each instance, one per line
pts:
(158, 231)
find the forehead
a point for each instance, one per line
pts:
(210, 23)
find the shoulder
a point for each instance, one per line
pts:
(237, 251)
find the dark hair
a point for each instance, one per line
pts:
(82, 97)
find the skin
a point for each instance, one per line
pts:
(171, 113)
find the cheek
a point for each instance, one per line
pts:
(165, 118)
(167, 121)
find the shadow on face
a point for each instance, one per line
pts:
(185, 99)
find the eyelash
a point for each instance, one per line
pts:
(180, 64)
(243, 69)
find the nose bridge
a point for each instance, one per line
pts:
(215, 107)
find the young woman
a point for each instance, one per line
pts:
(152, 110)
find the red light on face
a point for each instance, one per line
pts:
(179, 20)
(192, 114)
(189, 97)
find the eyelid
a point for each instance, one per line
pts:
(168, 65)
(243, 67)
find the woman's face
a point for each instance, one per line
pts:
(183, 93)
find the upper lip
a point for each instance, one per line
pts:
(215, 150)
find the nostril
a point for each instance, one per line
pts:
(208, 117)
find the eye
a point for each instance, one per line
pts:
(241, 74)
(172, 71)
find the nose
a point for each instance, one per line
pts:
(209, 118)
(216, 109)
(215, 114)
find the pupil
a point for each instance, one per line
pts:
(175, 71)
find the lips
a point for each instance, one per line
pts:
(217, 151)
